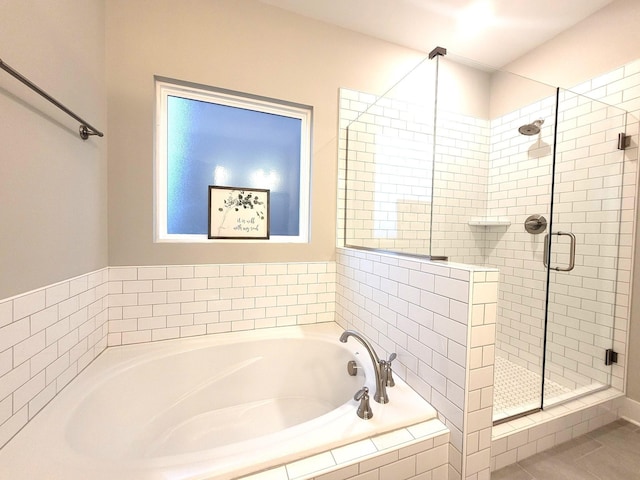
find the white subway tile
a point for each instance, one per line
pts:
(180, 271)
(278, 473)
(434, 303)
(123, 273)
(6, 361)
(152, 298)
(181, 296)
(14, 333)
(405, 468)
(29, 304)
(353, 451)
(150, 273)
(43, 359)
(193, 307)
(310, 465)
(57, 293)
(23, 394)
(137, 311)
(165, 333)
(150, 323)
(123, 300)
(136, 286)
(57, 331)
(6, 313)
(179, 320)
(56, 368)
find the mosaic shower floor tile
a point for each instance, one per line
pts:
(517, 389)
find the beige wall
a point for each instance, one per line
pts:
(601, 43)
(53, 211)
(241, 45)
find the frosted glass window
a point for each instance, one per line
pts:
(214, 137)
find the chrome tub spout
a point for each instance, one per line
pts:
(380, 395)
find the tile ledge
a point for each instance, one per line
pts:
(433, 429)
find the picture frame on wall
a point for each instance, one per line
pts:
(238, 213)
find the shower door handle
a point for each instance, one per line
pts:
(572, 252)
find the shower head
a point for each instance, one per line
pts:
(531, 128)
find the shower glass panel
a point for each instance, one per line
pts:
(584, 247)
(389, 165)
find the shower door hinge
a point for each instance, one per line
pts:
(624, 141)
(610, 357)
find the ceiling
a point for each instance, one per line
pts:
(516, 27)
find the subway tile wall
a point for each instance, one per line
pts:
(592, 201)
(440, 320)
(47, 336)
(460, 187)
(480, 367)
(162, 302)
(621, 87)
(388, 194)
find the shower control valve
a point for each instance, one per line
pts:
(535, 224)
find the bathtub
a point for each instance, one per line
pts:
(211, 407)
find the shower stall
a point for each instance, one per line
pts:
(474, 165)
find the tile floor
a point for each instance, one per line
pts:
(611, 452)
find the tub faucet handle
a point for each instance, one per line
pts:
(387, 372)
(364, 409)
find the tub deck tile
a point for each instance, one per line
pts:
(279, 473)
(424, 444)
(310, 465)
(353, 451)
(392, 439)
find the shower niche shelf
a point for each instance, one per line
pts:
(489, 221)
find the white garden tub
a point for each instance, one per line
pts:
(211, 407)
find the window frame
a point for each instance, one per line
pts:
(166, 87)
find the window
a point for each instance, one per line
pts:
(207, 136)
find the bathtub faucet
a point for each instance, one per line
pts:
(380, 395)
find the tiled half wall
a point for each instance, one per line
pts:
(440, 320)
(418, 309)
(162, 302)
(47, 337)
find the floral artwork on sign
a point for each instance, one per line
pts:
(238, 213)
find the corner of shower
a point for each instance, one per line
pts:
(466, 169)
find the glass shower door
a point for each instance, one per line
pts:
(520, 190)
(582, 248)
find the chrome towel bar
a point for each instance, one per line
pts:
(85, 130)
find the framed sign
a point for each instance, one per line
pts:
(238, 213)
